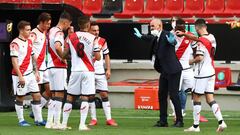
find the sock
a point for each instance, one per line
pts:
(58, 111)
(92, 107)
(83, 112)
(172, 106)
(37, 111)
(216, 111)
(43, 102)
(67, 108)
(51, 110)
(107, 109)
(196, 112)
(19, 111)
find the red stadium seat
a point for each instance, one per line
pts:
(74, 3)
(232, 7)
(213, 7)
(174, 7)
(131, 8)
(103, 21)
(225, 21)
(210, 21)
(153, 8)
(13, 1)
(52, 1)
(33, 1)
(193, 7)
(92, 7)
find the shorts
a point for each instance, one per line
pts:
(204, 85)
(57, 79)
(101, 83)
(44, 78)
(31, 85)
(187, 79)
(81, 83)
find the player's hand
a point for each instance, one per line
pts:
(108, 74)
(171, 39)
(137, 33)
(70, 30)
(37, 76)
(21, 81)
(180, 33)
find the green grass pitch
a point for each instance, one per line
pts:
(131, 122)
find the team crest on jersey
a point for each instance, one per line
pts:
(187, 41)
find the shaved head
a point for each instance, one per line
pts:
(156, 24)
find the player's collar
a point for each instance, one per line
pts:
(24, 40)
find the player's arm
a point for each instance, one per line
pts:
(35, 67)
(66, 49)
(198, 58)
(96, 50)
(189, 36)
(108, 66)
(14, 59)
(17, 70)
(199, 55)
(107, 60)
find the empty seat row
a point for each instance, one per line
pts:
(157, 8)
(168, 8)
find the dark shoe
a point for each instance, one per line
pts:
(178, 124)
(31, 115)
(161, 124)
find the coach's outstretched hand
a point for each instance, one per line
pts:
(137, 33)
(171, 39)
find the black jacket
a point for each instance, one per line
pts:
(166, 60)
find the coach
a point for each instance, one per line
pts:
(167, 64)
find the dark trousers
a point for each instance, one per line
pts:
(169, 85)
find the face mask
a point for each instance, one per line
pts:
(173, 24)
(154, 32)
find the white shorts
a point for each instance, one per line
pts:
(204, 85)
(31, 85)
(101, 82)
(57, 79)
(187, 79)
(44, 78)
(81, 83)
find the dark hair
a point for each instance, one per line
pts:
(82, 21)
(44, 17)
(180, 21)
(22, 24)
(66, 15)
(94, 24)
(200, 23)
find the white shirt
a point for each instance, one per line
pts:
(39, 41)
(22, 49)
(184, 50)
(99, 65)
(82, 43)
(55, 35)
(207, 48)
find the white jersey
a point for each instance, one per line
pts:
(82, 47)
(55, 35)
(98, 65)
(39, 47)
(206, 47)
(22, 49)
(184, 50)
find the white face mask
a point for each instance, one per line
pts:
(154, 32)
(173, 24)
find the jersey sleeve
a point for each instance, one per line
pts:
(105, 49)
(96, 46)
(14, 49)
(200, 49)
(59, 37)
